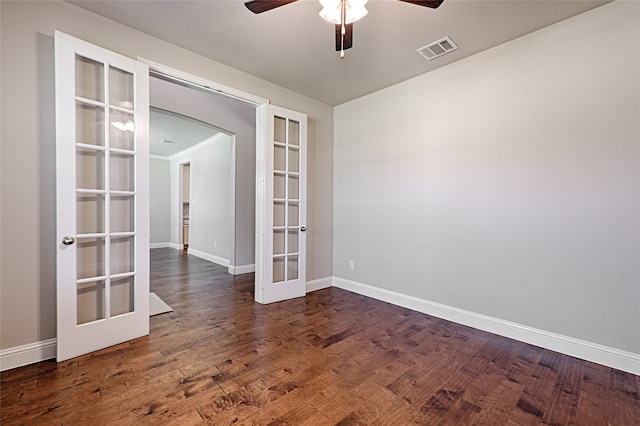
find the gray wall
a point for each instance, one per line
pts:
(159, 193)
(27, 223)
(506, 184)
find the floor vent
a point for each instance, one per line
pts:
(439, 48)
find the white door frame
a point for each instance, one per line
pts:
(208, 85)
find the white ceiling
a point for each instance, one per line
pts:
(293, 47)
(184, 131)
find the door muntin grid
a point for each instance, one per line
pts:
(105, 191)
(286, 199)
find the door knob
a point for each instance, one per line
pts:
(68, 240)
(303, 228)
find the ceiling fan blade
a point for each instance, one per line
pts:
(348, 37)
(259, 6)
(426, 3)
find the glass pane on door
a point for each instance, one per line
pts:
(279, 188)
(292, 267)
(278, 241)
(294, 159)
(278, 269)
(279, 158)
(294, 133)
(89, 79)
(286, 194)
(279, 218)
(90, 257)
(280, 129)
(122, 213)
(122, 296)
(121, 88)
(294, 187)
(121, 172)
(105, 190)
(121, 130)
(90, 169)
(293, 213)
(90, 302)
(89, 124)
(90, 213)
(122, 257)
(293, 241)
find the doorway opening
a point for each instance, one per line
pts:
(269, 183)
(213, 212)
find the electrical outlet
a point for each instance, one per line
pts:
(215, 244)
(352, 265)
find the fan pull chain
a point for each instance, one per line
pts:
(343, 18)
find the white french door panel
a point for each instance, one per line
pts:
(102, 212)
(281, 200)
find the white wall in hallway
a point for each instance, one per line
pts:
(209, 196)
(159, 187)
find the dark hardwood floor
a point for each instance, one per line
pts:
(331, 358)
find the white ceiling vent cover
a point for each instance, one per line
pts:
(439, 48)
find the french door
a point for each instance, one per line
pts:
(281, 205)
(102, 107)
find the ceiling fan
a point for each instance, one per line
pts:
(343, 13)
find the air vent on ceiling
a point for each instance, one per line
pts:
(439, 48)
(168, 141)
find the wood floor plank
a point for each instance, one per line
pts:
(565, 397)
(592, 409)
(499, 404)
(330, 358)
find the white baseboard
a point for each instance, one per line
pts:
(27, 354)
(611, 357)
(242, 269)
(210, 257)
(159, 245)
(176, 246)
(319, 284)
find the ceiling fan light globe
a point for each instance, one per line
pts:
(356, 13)
(332, 12)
